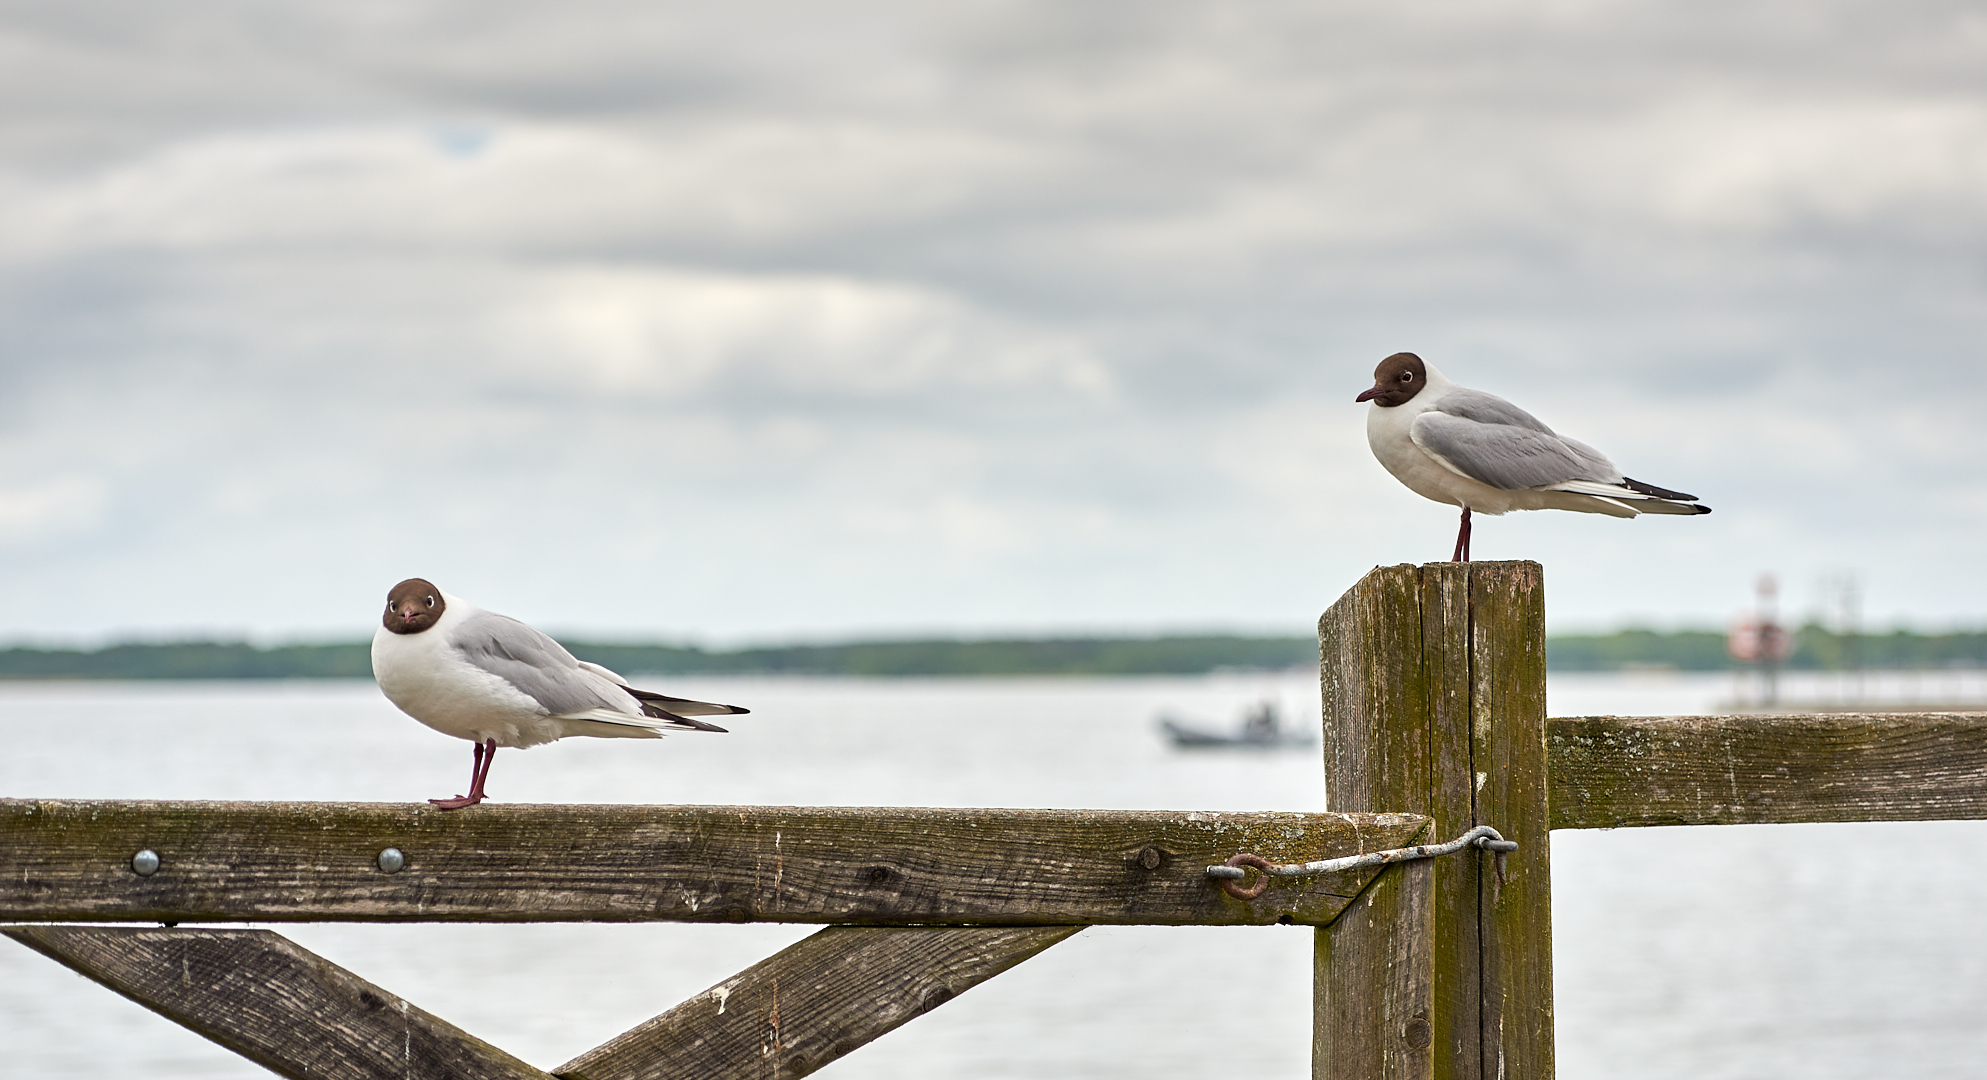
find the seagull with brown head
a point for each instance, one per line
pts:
(1480, 452)
(491, 679)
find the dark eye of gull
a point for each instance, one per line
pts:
(431, 601)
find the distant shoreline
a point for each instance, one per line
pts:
(1816, 648)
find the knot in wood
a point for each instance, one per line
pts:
(1151, 857)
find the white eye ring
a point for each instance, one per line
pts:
(431, 601)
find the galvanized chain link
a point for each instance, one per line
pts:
(1230, 873)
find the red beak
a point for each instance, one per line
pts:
(1371, 393)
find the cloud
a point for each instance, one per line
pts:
(685, 335)
(782, 318)
(510, 187)
(42, 510)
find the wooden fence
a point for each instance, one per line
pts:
(1434, 714)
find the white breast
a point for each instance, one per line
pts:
(1388, 432)
(431, 682)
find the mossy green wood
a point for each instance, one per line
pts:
(262, 862)
(1511, 784)
(1433, 681)
(1615, 771)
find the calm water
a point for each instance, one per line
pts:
(1773, 951)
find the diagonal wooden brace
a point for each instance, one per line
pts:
(301, 1016)
(274, 1002)
(813, 1002)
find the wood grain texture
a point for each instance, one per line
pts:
(1388, 1034)
(1434, 702)
(1615, 771)
(1389, 718)
(1507, 712)
(274, 1002)
(1446, 665)
(1367, 761)
(262, 862)
(813, 1002)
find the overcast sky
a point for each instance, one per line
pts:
(763, 321)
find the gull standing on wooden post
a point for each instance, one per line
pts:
(491, 679)
(1482, 453)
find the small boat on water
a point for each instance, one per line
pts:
(1262, 729)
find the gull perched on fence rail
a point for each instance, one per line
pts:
(1480, 452)
(491, 679)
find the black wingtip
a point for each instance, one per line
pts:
(1700, 508)
(651, 698)
(685, 721)
(1641, 488)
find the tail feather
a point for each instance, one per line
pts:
(1664, 506)
(678, 721)
(650, 724)
(666, 706)
(1637, 497)
(676, 708)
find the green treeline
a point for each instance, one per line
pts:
(191, 660)
(1063, 656)
(1815, 648)
(1052, 656)
(1685, 650)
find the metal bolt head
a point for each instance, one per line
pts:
(145, 863)
(391, 860)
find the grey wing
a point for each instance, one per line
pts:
(1507, 456)
(1488, 409)
(536, 665)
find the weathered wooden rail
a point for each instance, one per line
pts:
(1434, 711)
(294, 862)
(925, 903)
(1612, 771)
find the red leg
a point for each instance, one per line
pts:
(1463, 539)
(483, 754)
(489, 759)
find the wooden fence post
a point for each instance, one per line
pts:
(1434, 703)
(1381, 1031)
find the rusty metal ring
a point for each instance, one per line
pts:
(1234, 888)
